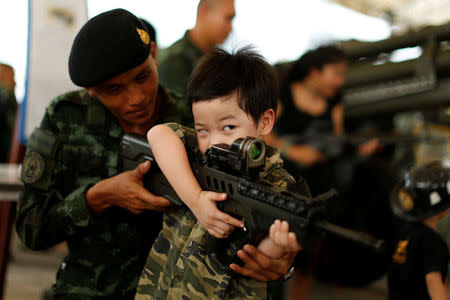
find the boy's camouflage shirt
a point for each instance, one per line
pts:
(76, 146)
(176, 63)
(179, 267)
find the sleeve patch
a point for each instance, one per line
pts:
(33, 167)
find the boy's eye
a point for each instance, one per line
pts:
(228, 127)
(201, 131)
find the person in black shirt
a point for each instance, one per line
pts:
(420, 256)
(311, 105)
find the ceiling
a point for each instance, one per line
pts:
(403, 14)
(374, 8)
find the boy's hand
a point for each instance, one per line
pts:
(280, 236)
(217, 223)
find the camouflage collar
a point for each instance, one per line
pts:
(190, 45)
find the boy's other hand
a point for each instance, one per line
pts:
(216, 222)
(281, 237)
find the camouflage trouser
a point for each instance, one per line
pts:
(178, 266)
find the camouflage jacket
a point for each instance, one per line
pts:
(176, 63)
(8, 109)
(76, 146)
(179, 267)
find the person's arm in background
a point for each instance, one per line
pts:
(436, 288)
(53, 206)
(337, 117)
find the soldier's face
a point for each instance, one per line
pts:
(221, 120)
(330, 78)
(219, 20)
(132, 96)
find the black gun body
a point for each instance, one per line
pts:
(259, 206)
(255, 203)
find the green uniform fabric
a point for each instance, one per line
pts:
(179, 267)
(176, 63)
(8, 109)
(76, 146)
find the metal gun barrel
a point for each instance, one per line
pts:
(353, 235)
(356, 49)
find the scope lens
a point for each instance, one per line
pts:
(254, 151)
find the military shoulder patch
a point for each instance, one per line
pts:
(32, 168)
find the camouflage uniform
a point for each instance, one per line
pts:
(176, 63)
(76, 146)
(8, 109)
(179, 267)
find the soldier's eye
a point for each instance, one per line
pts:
(113, 90)
(142, 77)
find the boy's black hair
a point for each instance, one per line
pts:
(315, 59)
(244, 72)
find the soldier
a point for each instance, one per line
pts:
(74, 190)
(8, 109)
(212, 27)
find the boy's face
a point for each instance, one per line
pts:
(221, 120)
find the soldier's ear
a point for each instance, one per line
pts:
(91, 92)
(154, 52)
(266, 122)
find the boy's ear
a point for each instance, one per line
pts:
(266, 122)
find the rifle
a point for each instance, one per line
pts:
(234, 170)
(336, 145)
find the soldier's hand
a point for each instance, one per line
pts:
(262, 267)
(125, 190)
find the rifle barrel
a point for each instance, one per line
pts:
(353, 235)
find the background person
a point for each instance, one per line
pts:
(8, 110)
(212, 26)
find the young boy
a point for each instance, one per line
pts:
(420, 259)
(232, 96)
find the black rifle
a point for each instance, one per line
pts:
(234, 170)
(337, 145)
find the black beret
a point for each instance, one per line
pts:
(109, 44)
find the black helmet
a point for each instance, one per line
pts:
(423, 192)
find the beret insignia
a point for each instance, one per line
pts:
(145, 38)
